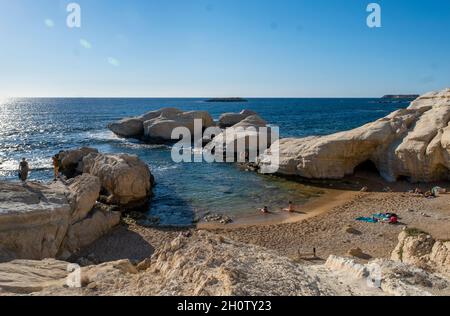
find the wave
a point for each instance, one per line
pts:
(103, 135)
(165, 168)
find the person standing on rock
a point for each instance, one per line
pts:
(23, 170)
(55, 160)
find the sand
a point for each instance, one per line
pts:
(327, 231)
(322, 224)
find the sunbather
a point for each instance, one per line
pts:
(264, 210)
(290, 208)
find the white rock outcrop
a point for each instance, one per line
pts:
(29, 276)
(133, 127)
(252, 134)
(165, 112)
(230, 119)
(208, 264)
(421, 250)
(69, 160)
(412, 143)
(157, 126)
(161, 128)
(83, 233)
(125, 178)
(40, 221)
(128, 127)
(83, 194)
(34, 219)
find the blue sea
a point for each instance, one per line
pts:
(39, 128)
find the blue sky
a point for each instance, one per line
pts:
(250, 48)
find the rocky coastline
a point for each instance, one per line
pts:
(55, 220)
(411, 143)
(44, 227)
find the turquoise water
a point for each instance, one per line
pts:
(39, 128)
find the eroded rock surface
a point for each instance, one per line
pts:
(157, 126)
(34, 219)
(412, 143)
(39, 221)
(230, 119)
(125, 178)
(422, 250)
(250, 136)
(208, 264)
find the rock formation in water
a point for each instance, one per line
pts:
(161, 128)
(251, 131)
(124, 179)
(230, 119)
(412, 143)
(157, 126)
(207, 264)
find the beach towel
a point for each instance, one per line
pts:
(382, 216)
(367, 219)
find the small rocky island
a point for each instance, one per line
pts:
(401, 96)
(226, 100)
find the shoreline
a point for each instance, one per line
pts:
(324, 227)
(330, 199)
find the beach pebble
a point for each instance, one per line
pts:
(92, 286)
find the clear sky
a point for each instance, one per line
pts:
(249, 48)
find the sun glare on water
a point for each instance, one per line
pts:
(3, 99)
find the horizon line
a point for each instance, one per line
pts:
(199, 97)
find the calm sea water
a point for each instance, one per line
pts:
(39, 128)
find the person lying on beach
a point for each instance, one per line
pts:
(429, 195)
(291, 208)
(264, 210)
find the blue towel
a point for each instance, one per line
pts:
(367, 219)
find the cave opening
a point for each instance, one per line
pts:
(403, 178)
(367, 166)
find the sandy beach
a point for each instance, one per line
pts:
(322, 223)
